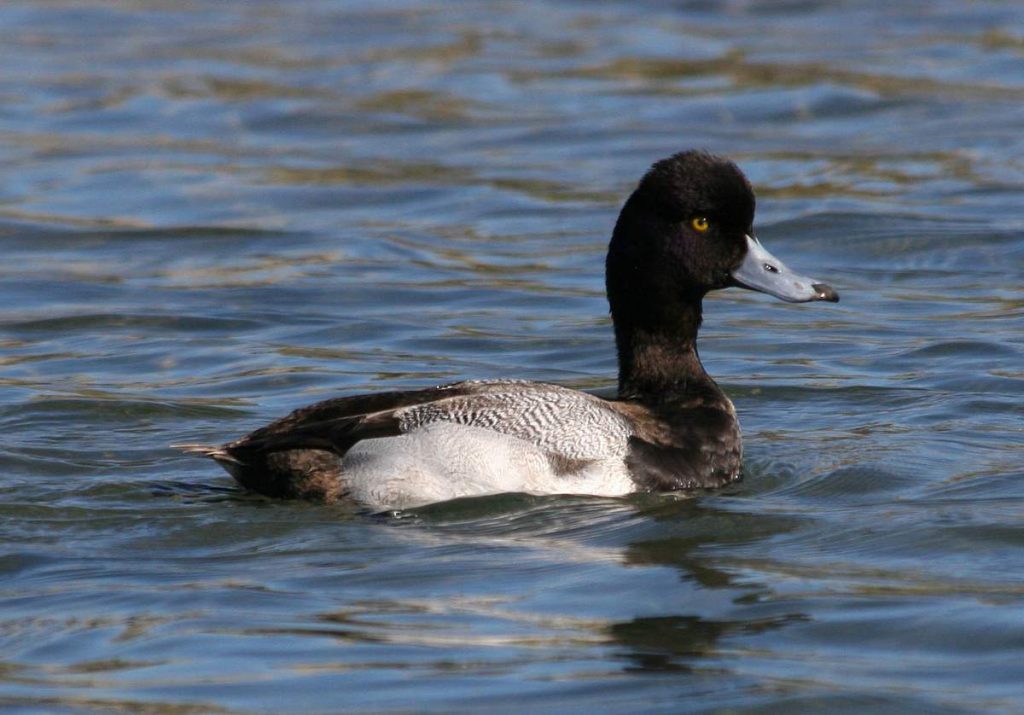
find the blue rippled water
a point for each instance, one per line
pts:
(214, 212)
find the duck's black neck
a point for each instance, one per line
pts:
(658, 359)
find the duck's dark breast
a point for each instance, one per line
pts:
(692, 447)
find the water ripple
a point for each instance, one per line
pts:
(216, 212)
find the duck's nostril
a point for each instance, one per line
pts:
(770, 268)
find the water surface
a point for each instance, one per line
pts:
(213, 213)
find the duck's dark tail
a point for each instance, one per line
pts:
(217, 454)
(312, 474)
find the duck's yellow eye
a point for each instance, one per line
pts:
(700, 224)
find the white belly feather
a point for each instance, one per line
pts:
(443, 460)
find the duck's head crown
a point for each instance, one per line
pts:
(699, 184)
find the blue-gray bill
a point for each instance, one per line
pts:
(763, 272)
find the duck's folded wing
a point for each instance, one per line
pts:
(567, 423)
(335, 425)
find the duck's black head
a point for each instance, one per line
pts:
(688, 229)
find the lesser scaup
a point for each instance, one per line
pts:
(687, 229)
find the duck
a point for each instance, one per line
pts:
(686, 230)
